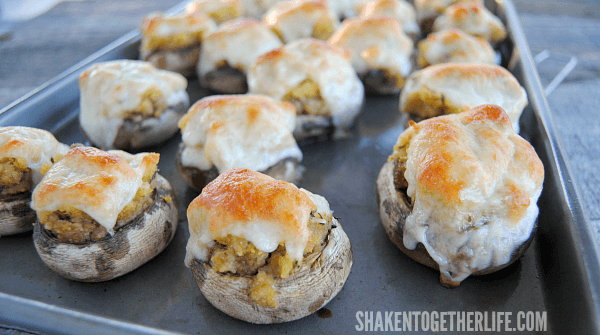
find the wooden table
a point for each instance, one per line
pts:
(41, 48)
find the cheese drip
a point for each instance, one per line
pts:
(475, 186)
(96, 182)
(276, 213)
(278, 72)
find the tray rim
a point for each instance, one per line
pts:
(581, 230)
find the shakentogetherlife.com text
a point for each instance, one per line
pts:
(453, 321)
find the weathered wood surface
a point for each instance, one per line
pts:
(41, 48)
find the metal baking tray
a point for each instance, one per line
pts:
(559, 273)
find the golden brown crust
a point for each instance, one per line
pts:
(463, 180)
(103, 163)
(241, 195)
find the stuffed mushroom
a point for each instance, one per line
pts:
(398, 9)
(173, 42)
(459, 193)
(428, 10)
(218, 10)
(318, 79)
(455, 87)
(102, 214)
(25, 155)
(454, 46)
(264, 251)
(380, 51)
(238, 131)
(129, 105)
(228, 54)
(294, 20)
(474, 19)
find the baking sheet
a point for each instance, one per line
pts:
(558, 273)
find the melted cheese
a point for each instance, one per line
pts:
(96, 182)
(398, 9)
(238, 131)
(376, 43)
(432, 8)
(239, 43)
(472, 18)
(475, 185)
(176, 31)
(283, 69)
(218, 10)
(294, 20)
(454, 46)
(36, 146)
(469, 85)
(109, 90)
(253, 206)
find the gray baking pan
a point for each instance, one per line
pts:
(559, 274)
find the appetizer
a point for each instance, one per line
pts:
(228, 53)
(318, 79)
(128, 104)
(474, 19)
(429, 10)
(173, 43)
(399, 9)
(459, 193)
(238, 131)
(452, 88)
(218, 10)
(293, 20)
(264, 251)
(380, 52)
(102, 214)
(454, 46)
(25, 155)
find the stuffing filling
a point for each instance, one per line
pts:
(71, 225)
(427, 103)
(174, 41)
(237, 256)
(15, 176)
(223, 14)
(152, 104)
(323, 29)
(307, 99)
(400, 157)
